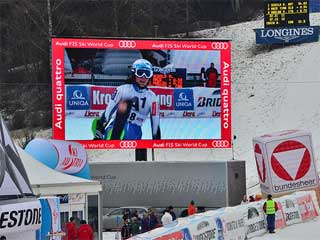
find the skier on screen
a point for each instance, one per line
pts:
(129, 107)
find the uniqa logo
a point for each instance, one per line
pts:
(77, 95)
(127, 44)
(219, 45)
(183, 97)
(128, 144)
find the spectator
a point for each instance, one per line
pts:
(126, 214)
(135, 214)
(135, 226)
(85, 231)
(244, 200)
(174, 217)
(203, 76)
(212, 76)
(251, 198)
(125, 230)
(3, 238)
(270, 207)
(166, 218)
(71, 232)
(258, 197)
(201, 209)
(153, 220)
(191, 208)
(145, 223)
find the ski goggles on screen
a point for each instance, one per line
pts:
(143, 73)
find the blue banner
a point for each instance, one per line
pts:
(287, 35)
(77, 98)
(183, 99)
(50, 218)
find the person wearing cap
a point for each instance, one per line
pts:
(129, 107)
(270, 207)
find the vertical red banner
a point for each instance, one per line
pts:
(58, 90)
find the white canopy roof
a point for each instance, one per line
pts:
(46, 181)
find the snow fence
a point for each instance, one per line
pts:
(238, 222)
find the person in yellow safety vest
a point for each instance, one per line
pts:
(270, 207)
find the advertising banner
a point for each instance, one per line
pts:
(308, 206)
(287, 35)
(20, 217)
(291, 210)
(186, 98)
(233, 225)
(254, 219)
(204, 228)
(63, 156)
(280, 221)
(203, 102)
(51, 222)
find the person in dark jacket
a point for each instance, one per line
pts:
(174, 217)
(145, 223)
(125, 230)
(153, 220)
(85, 231)
(135, 226)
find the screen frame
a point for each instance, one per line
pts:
(58, 88)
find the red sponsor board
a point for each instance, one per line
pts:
(164, 51)
(165, 96)
(172, 236)
(100, 97)
(307, 207)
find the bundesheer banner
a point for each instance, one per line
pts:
(14, 182)
(100, 101)
(287, 35)
(285, 162)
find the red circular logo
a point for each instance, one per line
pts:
(290, 160)
(261, 165)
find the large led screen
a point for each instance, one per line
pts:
(142, 93)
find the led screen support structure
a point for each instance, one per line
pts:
(194, 112)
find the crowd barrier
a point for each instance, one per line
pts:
(239, 222)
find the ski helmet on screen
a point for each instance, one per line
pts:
(142, 68)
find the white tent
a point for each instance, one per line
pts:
(46, 181)
(83, 195)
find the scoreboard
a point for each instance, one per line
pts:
(286, 13)
(166, 80)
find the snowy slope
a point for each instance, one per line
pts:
(272, 90)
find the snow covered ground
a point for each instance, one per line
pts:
(307, 230)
